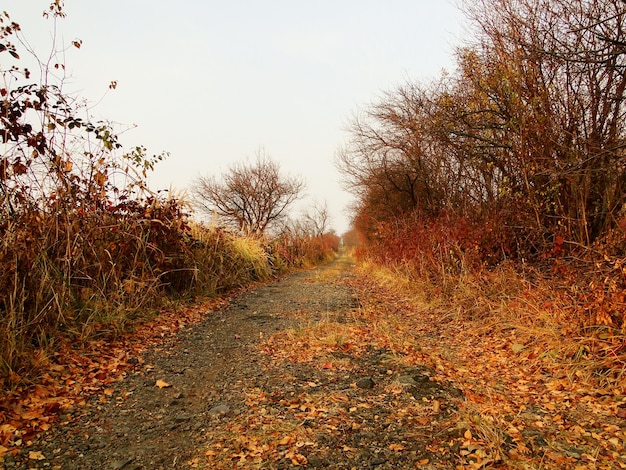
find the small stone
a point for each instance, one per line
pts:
(407, 380)
(219, 410)
(365, 382)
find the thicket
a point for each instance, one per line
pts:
(516, 157)
(87, 249)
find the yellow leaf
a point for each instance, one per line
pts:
(286, 441)
(468, 435)
(108, 392)
(162, 384)
(7, 429)
(3, 450)
(396, 447)
(36, 455)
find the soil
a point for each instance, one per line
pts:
(214, 396)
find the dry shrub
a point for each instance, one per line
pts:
(80, 274)
(291, 249)
(65, 271)
(86, 248)
(440, 247)
(570, 302)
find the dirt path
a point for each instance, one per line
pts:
(333, 368)
(224, 393)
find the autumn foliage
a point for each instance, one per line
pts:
(514, 159)
(87, 248)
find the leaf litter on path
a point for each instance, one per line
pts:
(329, 369)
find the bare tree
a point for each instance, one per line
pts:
(251, 197)
(394, 161)
(561, 84)
(318, 219)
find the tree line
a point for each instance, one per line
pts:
(524, 139)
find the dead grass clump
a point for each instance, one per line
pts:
(83, 273)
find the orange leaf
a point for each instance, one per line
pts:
(162, 384)
(7, 429)
(100, 178)
(299, 459)
(396, 447)
(286, 441)
(36, 455)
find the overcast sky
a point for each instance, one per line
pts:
(212, 82)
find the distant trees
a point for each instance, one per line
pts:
(317, 219)
(529, 131)
(250, 197)
(394, 161)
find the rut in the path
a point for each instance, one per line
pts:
(142, 426)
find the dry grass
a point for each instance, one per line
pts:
(83, 275)
(517, 350)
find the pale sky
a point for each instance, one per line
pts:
(212, 82)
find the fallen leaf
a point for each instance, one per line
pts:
(7, 429)
(298, 460)
(396, 447)
(36, 455)
(162, 384)
(286, 441)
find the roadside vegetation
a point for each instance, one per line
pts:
(494, 199)
(499, 190)
(88, 249)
